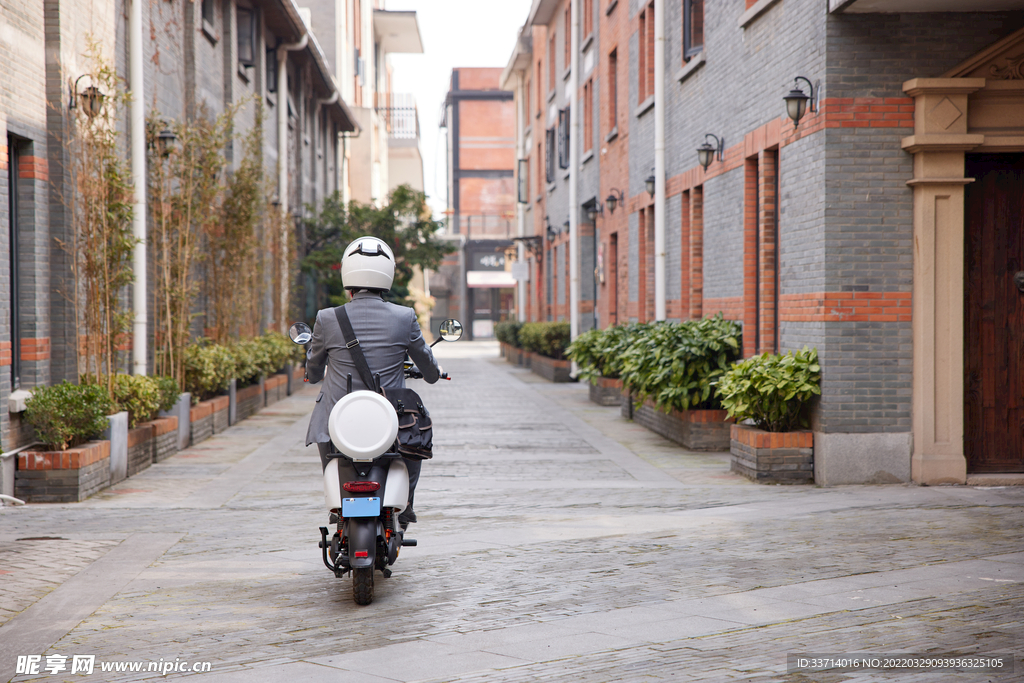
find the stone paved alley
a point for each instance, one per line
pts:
(557, 541)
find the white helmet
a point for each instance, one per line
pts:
(368, 263)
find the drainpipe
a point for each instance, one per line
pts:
(282, 164)
(137, 117)
(659, 159)
(521, 153)
(574, 162)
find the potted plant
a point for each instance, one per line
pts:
(669, 371)
(67, 466)
(772, 391)
(546, 342)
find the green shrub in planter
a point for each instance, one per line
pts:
(599, 353)
(137, 394)
(169, 392)
(208, 369)
(772, 390)
(251, 359)
(677, 364)
(278, 350)
(508, 332)
(66, 414)
(547, 339)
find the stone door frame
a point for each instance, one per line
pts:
(975, 107)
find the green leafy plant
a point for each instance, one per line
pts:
(772, 390)
(65, 415)
(548, 339)
(599, 353)
(250, 360)
(208, 369)
(137, 394)
(169, 392)
(277, 351)
(677, 364)
(508, 332)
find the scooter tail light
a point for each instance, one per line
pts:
(360, 486)
(362, 553)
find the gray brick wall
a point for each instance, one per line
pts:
(723, 235)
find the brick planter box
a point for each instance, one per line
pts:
(63, 476)
(249, 400)
(606, 392)
(220, 413)
(772, 457)
(625, 403)
(275, 388)
(201, 421)
(697, 430)
(165, 438)
(550, 369)
(140, 448)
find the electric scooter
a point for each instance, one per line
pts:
(366, 482)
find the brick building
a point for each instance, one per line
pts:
(846, 231)
(475, 284)
(209, 53)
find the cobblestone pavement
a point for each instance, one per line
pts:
(557, 541)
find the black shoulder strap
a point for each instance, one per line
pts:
(352, 344)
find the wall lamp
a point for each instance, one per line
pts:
(550, 230)
(649, 183)
(594, 210)
(796, 100)
(614, 199)
(92, 98)
(706, 153)
(165, 142)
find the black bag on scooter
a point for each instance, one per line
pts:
(415, 430)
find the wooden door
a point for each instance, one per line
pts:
(994, 314)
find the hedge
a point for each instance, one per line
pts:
(547, 339)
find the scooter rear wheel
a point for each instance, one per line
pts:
(362, 585)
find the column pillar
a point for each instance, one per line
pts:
(938, 144)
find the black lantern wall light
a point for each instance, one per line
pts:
(796, 100)
(165, 142)
(91, 98)
(616, 197)
(649, 183)
(706, 153)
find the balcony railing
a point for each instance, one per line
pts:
(400, 116)
(483, 226)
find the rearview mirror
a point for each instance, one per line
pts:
(451, 330)
(300, 333)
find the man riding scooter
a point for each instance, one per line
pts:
(385, 332)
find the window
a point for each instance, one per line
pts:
(551, 63)
(588, 18)
(271, 70)
(540, 176)
(207, 9)
(641, 61)
(526, 104)
(540, 81)
(246, 20)
(613, 89)
(693, 28)
(646, 53)
(549, 155)
(588, 116)
(524, 181)
(563, 138)
(568, 36)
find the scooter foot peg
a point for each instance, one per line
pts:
(323, 530)
(409, 542)
(387, 573)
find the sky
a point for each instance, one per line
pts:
(455, 33)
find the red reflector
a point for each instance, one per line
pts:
(360, 486)
(362, 553)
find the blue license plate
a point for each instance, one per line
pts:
(360, 507)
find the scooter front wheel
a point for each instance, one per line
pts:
(362, 585)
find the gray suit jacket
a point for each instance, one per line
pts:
(385, 331)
